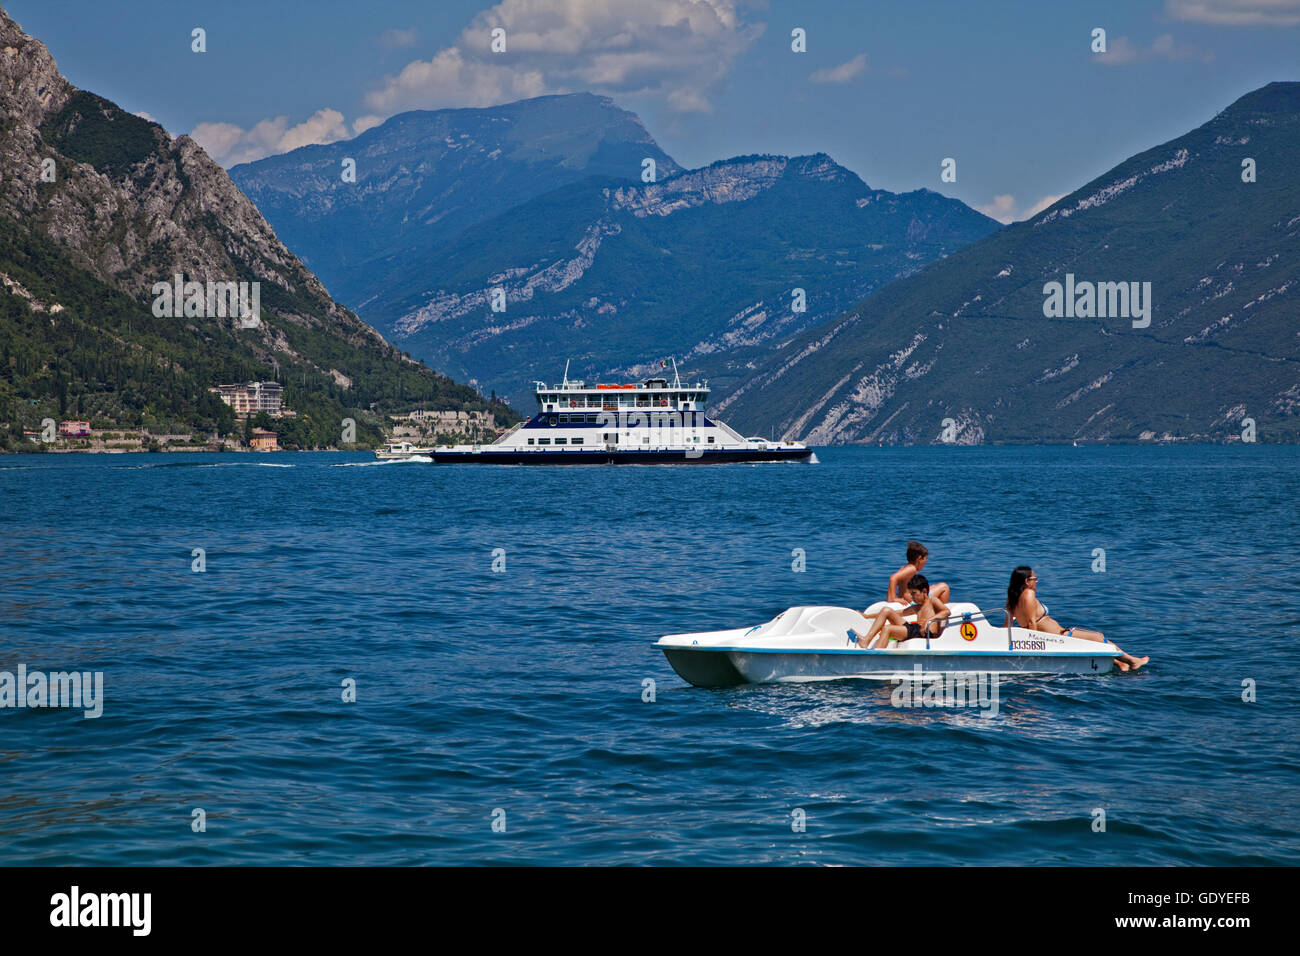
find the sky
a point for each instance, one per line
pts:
(1012, 90)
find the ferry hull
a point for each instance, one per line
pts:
(491, 456)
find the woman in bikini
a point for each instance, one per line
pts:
(1024, 609)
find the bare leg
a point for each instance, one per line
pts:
(941, 592)
(896, 632)
(1124, 662)
(864, 640)
(1133, 662)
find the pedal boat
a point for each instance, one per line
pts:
(813, 643)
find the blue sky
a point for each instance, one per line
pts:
(1009, 88)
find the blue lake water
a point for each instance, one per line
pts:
(522, 690)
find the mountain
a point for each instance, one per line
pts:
(968, 339)
(96, 207)
(544, 199)
(702, 266)
(424, 176)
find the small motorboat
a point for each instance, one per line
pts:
(400, 450)
(816, 644)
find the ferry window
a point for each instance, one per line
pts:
(561, 441)
(543, 441)
(530, 441)
(710, 439)
(575, 441)
(646, 440)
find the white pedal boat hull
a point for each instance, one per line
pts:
(811, 644)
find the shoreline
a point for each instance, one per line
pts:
(1069, 443)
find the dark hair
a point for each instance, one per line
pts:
(919, 583)
(915, 549)
(1017, 586)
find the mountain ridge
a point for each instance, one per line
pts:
(425, 175)
(705, 265)
(554, 251)
(1221, 254)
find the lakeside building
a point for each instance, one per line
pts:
(264, 440)
(74, 429)
(249, 398)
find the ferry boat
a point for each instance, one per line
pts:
(651, 422)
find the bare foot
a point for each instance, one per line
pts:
(1121, 664)
(1138, 661)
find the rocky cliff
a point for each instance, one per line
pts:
(94, 195)
(130, 204)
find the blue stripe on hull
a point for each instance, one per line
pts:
(727, 667)
(594, 457)
(780, 668)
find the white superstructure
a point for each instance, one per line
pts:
(653, 421)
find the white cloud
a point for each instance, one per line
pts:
(394, 39)
(1005, 209)
(1002, 208)
(1122, 51)
(229, 144)
(450, 79)
(678, 50)
(1119, 52)
(842, 73)
(1236, 13)
(1042, 204)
